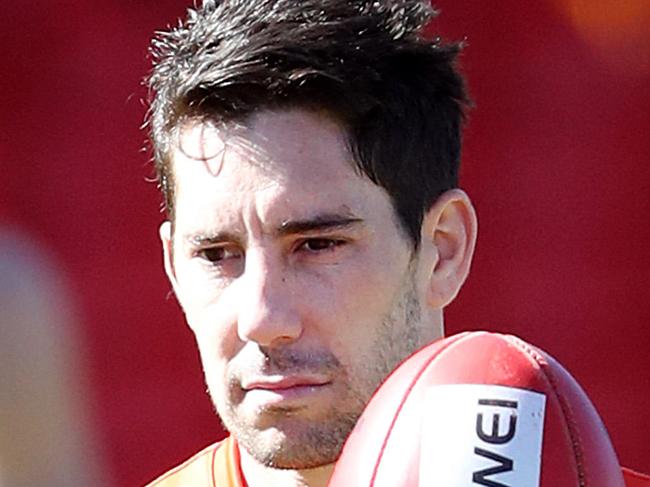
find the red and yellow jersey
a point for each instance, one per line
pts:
(218, 466)
(215, 466)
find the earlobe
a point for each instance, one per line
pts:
(449, 230)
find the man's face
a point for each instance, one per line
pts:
(301, 288)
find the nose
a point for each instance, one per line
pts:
(267, 303)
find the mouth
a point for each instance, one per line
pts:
(273, 390)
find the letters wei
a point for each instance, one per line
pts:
(482, 435)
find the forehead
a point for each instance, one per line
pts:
(277, 164)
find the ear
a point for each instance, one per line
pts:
(165, 233)
(448, 238)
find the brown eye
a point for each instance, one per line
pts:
(217, 255)
(321, 244)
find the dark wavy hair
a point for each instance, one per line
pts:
(396, 93)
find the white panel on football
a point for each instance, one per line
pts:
(481, 435)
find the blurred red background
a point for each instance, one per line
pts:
(556, 161)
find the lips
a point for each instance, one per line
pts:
(277, 383)
(287, 391)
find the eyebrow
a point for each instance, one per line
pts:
(326, 222)
(203, 240)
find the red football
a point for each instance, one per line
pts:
(479, 409)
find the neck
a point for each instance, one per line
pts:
(258, 475)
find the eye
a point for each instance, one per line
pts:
(316, 245)
(219, 255)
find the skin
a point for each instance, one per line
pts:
(300, 285)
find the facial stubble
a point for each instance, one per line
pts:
(299, 441)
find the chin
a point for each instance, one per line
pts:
(293, 443)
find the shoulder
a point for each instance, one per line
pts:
(196, 471)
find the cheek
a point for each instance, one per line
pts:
(206, 302)
(351, 306)
(195, 287)
(212, 319)
(217, 347)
